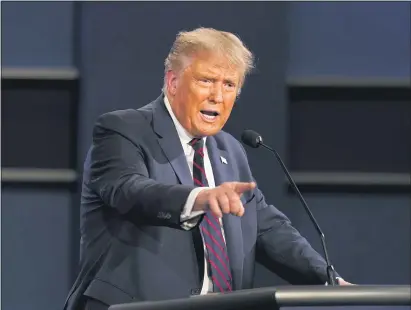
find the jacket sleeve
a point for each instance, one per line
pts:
(281, 248)
(118, 174)
(284, 250)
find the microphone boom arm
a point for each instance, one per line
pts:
(330, 269)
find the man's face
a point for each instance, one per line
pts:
(203, 94)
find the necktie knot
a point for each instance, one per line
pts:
(197, 143)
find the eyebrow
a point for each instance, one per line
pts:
(231, 81)
(212, 75)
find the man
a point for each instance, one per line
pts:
(169, 206)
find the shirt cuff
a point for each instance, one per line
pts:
(188, 217)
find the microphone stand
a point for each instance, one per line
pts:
(330, 269)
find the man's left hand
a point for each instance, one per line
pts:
(343, 282)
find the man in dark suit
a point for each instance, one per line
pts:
(169, 206)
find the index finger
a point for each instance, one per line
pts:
(241, 187)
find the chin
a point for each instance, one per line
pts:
(209, 132)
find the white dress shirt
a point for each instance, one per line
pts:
(188, 217)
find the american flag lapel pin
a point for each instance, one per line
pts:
(223, 160)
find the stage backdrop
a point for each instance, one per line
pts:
(69, 62)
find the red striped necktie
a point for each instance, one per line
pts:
(210, 228)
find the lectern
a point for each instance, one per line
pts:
(289, 296)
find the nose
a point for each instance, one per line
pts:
(217, 94)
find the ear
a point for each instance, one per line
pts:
(171, 80)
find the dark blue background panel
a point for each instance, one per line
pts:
(37, 34)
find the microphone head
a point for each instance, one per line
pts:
(251, 138)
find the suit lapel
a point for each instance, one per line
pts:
(223, 172)
(169, 141)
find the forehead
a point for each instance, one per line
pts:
(214, 65)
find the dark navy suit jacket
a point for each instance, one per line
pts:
(135, 184)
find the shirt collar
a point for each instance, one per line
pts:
(184, 136)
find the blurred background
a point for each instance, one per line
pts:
(331, 93)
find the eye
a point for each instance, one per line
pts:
(230, 85)
(205, 80)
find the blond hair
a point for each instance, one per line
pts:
(190, 43)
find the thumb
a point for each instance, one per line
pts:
(241, 187)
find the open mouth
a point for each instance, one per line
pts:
(209, 115)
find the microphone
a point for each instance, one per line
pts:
(254, 140)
